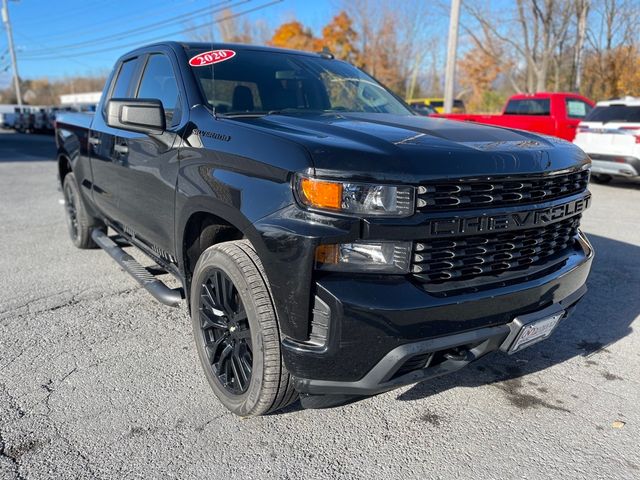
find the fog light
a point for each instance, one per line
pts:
(373, 257)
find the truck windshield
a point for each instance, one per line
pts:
(256, 82)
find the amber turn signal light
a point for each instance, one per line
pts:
(327, 254)
(321, 194)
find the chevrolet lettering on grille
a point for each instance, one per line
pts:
(508, 221)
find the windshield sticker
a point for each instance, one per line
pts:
(209, 58)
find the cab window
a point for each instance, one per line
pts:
(577, 108)
(529, 106)
(159, 82)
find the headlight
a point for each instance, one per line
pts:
(371, 257)
(356, 198)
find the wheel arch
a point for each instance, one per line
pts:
(204, 223)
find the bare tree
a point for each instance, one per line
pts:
(534, 32)
(225, 26)
(613, 23)
(394, 40)
(233, 29)
(612, 45)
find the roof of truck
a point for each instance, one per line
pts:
(628, 101)
(221, 46)
(544, 95)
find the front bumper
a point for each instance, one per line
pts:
(383, 333)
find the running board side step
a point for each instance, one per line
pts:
(159, 291)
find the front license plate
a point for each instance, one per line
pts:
(535, 331)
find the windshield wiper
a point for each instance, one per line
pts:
(281, 111)
(260, 113)
(285, 111)
(242, 114)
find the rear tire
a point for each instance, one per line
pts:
(79, 222)
(236, 331)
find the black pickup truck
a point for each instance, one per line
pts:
(330, 243)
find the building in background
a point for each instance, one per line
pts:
(80, 101)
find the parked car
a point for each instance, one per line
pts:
(24, 120)
(329, 243)
(556, 114)
(8, 114)
(7, 120)
(436, 104)
(611, 137)
(40, 121)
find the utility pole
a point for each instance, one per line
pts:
(452, 46)
(14, 62)
(583, 12)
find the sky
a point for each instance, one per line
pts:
(80, 37)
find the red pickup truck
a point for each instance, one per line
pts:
(556, 114)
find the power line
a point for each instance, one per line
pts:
(110, 21)
(69, 57)
(88, 6)
(163, 37)
(144, 29)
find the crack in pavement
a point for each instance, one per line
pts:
(14, 453)
(11, 457)
(74, 300)
(27, 304)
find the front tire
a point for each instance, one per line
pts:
(236, 331)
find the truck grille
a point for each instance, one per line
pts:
(483, 192)
(465, 258)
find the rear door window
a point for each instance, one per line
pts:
(528, 106)
(615, 113)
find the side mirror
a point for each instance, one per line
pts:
(136, 115)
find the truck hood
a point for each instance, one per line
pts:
(414, 148)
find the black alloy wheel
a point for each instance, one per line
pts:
(236, 330)
(225, 332)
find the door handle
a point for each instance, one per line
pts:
(95, 141)
(121, 149)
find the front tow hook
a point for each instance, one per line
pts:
(460, 355)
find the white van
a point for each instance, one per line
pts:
(611, 136)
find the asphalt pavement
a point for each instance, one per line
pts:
(97, 380)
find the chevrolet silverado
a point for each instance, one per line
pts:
(329, 244)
